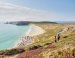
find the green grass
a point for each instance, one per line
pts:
(66, 41)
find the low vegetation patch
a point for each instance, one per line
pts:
(34, 47)
(11, 52)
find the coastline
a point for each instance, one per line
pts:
(9, 34)
(27, 39)
(34, 30)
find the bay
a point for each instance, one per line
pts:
(9, 34)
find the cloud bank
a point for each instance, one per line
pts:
(11, 12)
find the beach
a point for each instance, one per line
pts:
(27, 39)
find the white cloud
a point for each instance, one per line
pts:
(10, 12)
(69, 19)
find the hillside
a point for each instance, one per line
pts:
(47, 46)
(57, 42)
(21, 23)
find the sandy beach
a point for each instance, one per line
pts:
(34, 30)
(27, 38)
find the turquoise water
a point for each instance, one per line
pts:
(9, 34)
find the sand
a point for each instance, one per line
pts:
(27, 38)
(34, 30)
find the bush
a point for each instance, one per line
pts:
(65, 36)
(73, 52)
(11, 51)
(48, 43)
(1, 52)
(34, 47)
(60, 53)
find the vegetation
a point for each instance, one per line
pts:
(11, 51)
(63, 48)
(44, 45)
(34, 47)
(21, 23)
(73, 52)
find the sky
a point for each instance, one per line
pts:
(37, 10)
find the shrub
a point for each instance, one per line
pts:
(60, 53)
(34, 47)
(48, 43)
(65, 36)
(73, 52)
(11, 51)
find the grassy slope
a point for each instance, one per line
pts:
(64, 48)
(47, 48)
(66, 42)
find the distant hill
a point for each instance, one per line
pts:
(66, 22)
(27, 22)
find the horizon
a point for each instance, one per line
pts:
(31, 10)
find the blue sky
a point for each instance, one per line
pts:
(60, 6)
(56, 10)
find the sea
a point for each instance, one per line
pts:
(10, 34)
